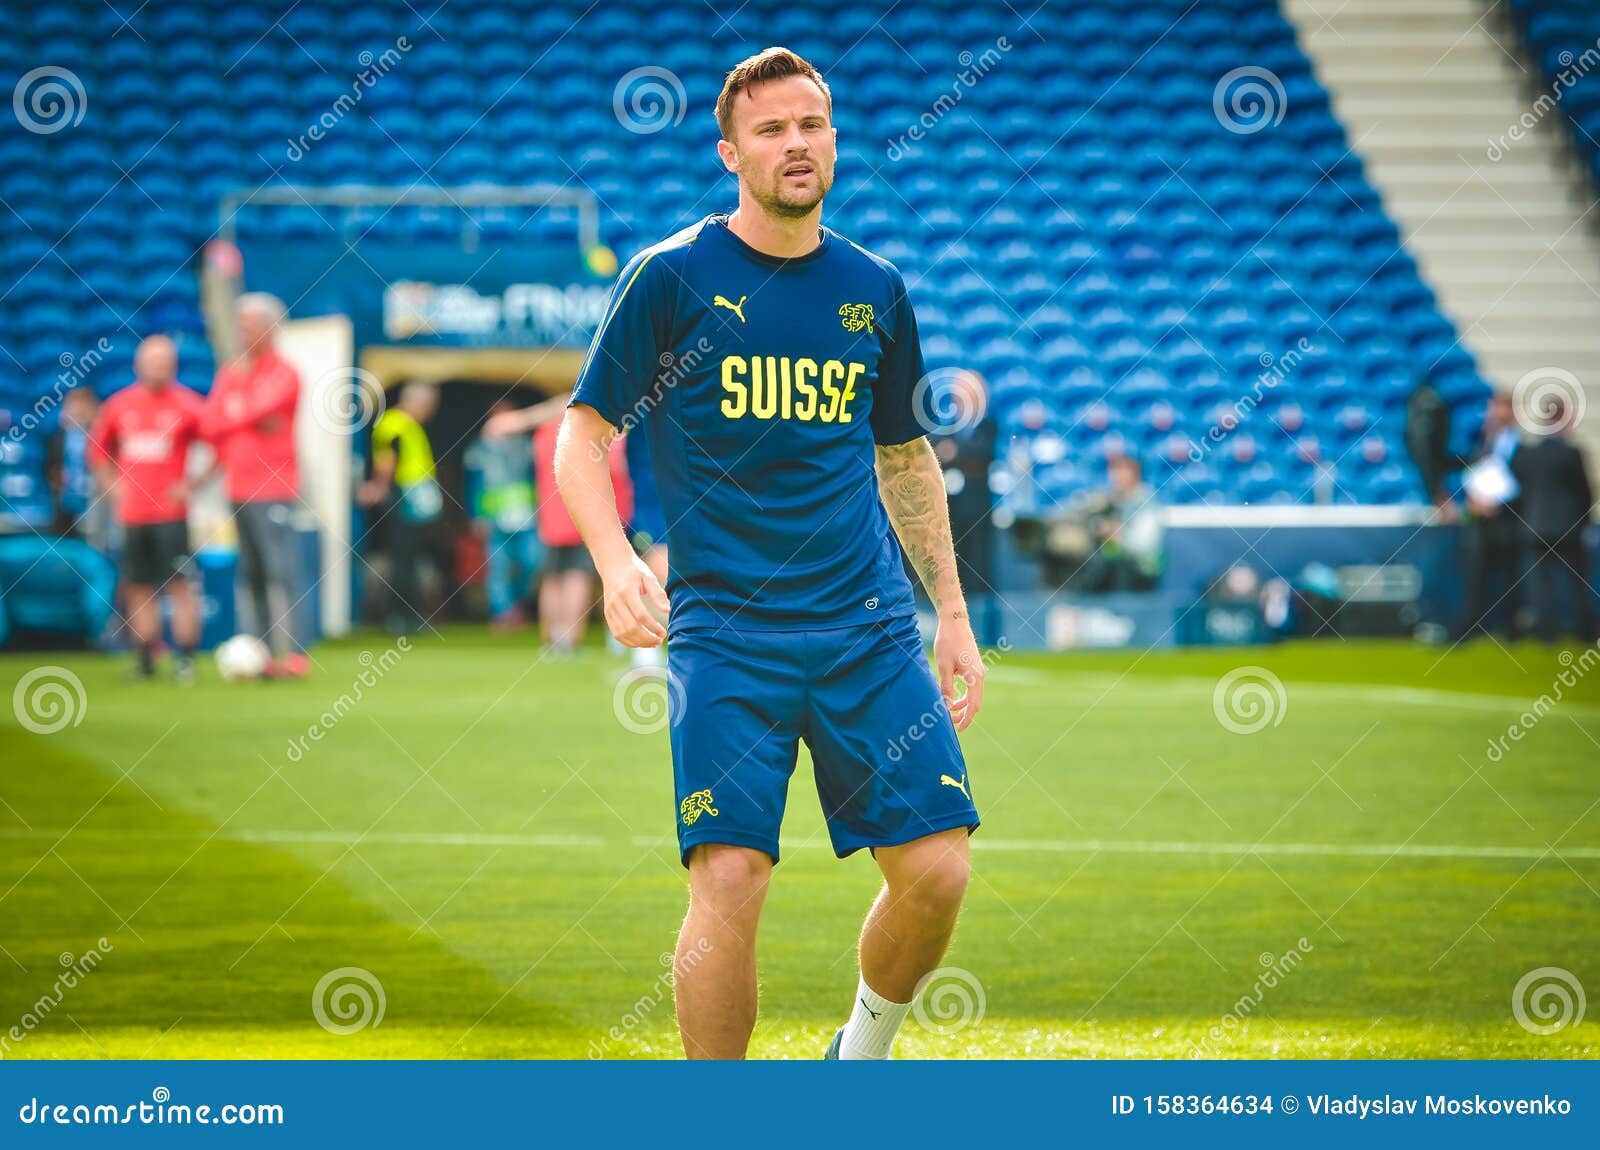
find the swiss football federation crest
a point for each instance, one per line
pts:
(696, 805)
(856, 317)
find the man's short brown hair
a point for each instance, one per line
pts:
(769, 64)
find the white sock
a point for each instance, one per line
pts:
(872, 1026)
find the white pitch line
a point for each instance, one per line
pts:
(1182, 689)
(980, 842)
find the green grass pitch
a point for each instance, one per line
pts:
(482, 834)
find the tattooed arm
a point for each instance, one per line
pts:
(911, 484)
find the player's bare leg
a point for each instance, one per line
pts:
(905, 935)
(714, 971)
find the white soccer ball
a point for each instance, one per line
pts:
(241, 658)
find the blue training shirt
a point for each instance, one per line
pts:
(762, 385)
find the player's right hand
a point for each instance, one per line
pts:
(636, 606)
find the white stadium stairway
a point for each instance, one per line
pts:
(1505, 231)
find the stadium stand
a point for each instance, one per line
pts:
(1563, 37)
(1128, 254)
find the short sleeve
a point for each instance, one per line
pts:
(622, 361)
(385, 437)
(894, 406)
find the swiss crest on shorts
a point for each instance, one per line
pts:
(696, 805)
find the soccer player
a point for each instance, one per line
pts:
(139, 448)
(249, 417)
(789, 459)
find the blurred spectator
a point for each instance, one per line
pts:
(1127, 521)
(1556, 505)
(1495, 544)
(567, 581)
(967, 453)
(139, 450)
(504, 506)
(78, 512)
(405, 483)
(249, 418)
(1427, 434)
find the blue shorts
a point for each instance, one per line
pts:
(888, 765)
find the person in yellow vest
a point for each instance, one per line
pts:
(405, 489)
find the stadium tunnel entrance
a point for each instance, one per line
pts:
(470, 383)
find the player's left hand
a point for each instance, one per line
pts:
(955, 651)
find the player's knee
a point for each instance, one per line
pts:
(938, 883)
(730, 879)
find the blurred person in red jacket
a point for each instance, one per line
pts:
(249, 417)
(138, 450)
(566, 574)
(567, 578)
